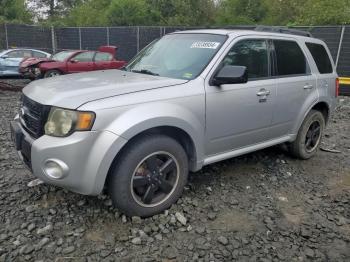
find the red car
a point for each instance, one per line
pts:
(67, 62)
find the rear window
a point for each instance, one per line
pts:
(290, 58)
(321, 58)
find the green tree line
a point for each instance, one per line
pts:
(176, 12)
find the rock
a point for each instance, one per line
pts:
(105, 253)
(158, 237)
(26, 249)
(124, 220)
(3, 237)
(136, 220)
(170, 252)
(223, 240)
(68, 250)
(212, 215)
(31, 227)
(108, 203)
(200, 230)
(31, 208)
(44, 230)
(136, 241)
(180, 217)
(309, 253)
(43, 242)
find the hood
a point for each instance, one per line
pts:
(33, 61)
(71, 91)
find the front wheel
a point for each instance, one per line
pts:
(149, 176)
(309, 136)
(52, 73)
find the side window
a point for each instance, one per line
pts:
(252, 54)
(103, 57)
(39, 54)
(27, 53)
(84, 57)
(321, 58)
(290, 58)
(15, 54)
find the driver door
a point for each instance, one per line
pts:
(82, 62)
(240, 115)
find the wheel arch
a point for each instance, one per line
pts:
(319, 105)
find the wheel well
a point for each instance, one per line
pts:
(323, 108)
(176, 133)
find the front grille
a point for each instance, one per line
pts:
(33, 116)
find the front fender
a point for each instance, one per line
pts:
(143, 117)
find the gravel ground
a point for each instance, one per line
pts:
(264, 206)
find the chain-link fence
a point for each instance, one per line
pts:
(130, 40)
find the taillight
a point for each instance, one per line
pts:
(336, 87)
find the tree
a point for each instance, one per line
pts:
(88, 13)
(241, 12)
(14, 11)
(52, 9)
(283, 12)
(128, 12)
(325, 12)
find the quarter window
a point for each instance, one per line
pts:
(290, 58)
(321, 58)
(252, 54)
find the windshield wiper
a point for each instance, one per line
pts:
(145, 71)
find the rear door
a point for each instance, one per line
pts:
(103, 60)
(296, 85)
(82, 62)
(326, 74)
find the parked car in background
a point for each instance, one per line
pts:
(71, 61)
(11, 58)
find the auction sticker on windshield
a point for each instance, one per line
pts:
(210, 45)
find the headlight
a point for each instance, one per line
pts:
(63, 122)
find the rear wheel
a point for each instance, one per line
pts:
(52, 73)
(309, 136)
(149, 176)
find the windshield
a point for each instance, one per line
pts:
(181, 56)
(62, 56)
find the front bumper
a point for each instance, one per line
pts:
(87, 156)
(30, 73)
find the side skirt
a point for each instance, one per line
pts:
(241, 151)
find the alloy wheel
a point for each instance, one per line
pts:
(313, 136)
(155, 179)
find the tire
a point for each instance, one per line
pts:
(302, 147)
(135, 164)
(52, 73)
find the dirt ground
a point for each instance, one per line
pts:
(265, 206)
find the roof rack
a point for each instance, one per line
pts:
(282, 30)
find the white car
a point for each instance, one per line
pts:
(11, 58)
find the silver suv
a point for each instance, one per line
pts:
(187, 100)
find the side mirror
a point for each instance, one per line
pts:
(4, 57)
(230, 75)
(73, 61)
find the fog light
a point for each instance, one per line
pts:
(55, 168)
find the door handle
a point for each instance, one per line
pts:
(263, 92)
(308, 86)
